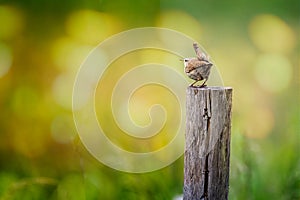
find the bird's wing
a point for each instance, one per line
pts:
(204, 69)
(195, 63)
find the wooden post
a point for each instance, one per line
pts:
(207, 146)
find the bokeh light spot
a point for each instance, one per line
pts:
(62, 90)
(91, 27)
(271, 34)
(68, 54)
(180, 21)
(273, 72)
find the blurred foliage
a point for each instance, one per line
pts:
(255, 45)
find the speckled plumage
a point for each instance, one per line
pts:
(198, 68)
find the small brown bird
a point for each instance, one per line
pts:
(198, 68)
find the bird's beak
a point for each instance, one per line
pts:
(181, 59)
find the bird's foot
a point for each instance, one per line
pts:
(198, 86)
(193, 85)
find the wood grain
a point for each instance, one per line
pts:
(207, 147)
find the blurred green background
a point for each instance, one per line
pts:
(255, 45)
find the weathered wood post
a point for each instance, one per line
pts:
(207, 147)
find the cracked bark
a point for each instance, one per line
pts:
(207, 146)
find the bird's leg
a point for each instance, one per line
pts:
(192, 85)
(203, 84)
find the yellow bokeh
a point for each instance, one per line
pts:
(273, 72)
(142, 106)
(180, 21)
(68, 54)
(91, 27)
(271, 34)
(11, 22)
(62, 89)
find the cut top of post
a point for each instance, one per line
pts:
(210, 88)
